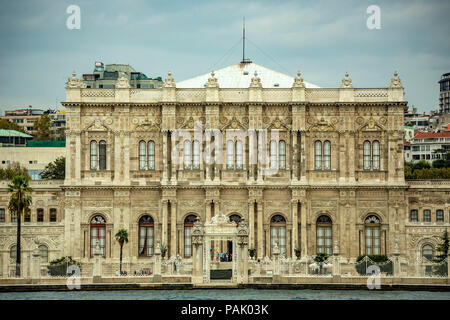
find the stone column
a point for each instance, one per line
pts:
(174, 167)
(276, 260)
(294, 175)
(302, 157)
(164, 222)
(294, 239)
(207, 211)
(98, 257)
(448, 264)
(260, 155)
(304, 238)
(251, 223)
(36, 265)
(157, 266)
(173, 228)
(397, 270)
(336, 262)
(165, 158)
(260, 251)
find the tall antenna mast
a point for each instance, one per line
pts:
(243, 44)
(243, 41)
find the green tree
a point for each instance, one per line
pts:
(12, 170)
(20, 202)
(55, 170)
(42, 126)
(122, 238)
(8, 125)
(443, 251)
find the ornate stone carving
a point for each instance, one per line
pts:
(256, 81)
(74, 82)
(212, 82)
(169, 82)
(122, 82)
(395, 81)
(346, 82)
(298, 81)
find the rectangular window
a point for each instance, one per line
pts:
(414, 217)
(40, 215)
(13, 217)
(440, 215)
(187, 242)
(52, 215)
(427, 215)
(2, 215)
(102, 155)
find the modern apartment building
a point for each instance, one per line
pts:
(444, 93)
(106, 76)
(424, 146)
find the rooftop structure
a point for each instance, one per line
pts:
(107, 76)
(13, 138)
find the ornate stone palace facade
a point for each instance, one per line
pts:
(338, 182)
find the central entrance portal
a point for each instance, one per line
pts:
(234, 266)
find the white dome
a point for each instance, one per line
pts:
(240, 75)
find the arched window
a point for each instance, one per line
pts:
(94, 155)
(278, 233)
(324, 235)
(98, 233)
(187, 154)
(236, 218)
(366, 155)
(282, 154)
(327, 155)
(230, 154)
(196, 157)
(102, 155)
(427, 252)
(376, 155)
(142, 155)
(414, 217)
(239, 154)
(53, 215)
(439, 215)
(188, 224)
(151, 155)
(273, 154)
(40, 215)
(372, 232)
(13, 252)
(43, 252)
(146, 236)
(427, 215)
(318, 154)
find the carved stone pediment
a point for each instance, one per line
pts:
(322, 124)
(234, 123)
(97, 125)
(147, 126)
(371, 124)
(278, 124)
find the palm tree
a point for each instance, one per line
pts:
(121, 237)
(19, 203)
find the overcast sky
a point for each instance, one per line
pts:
(323, 39)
